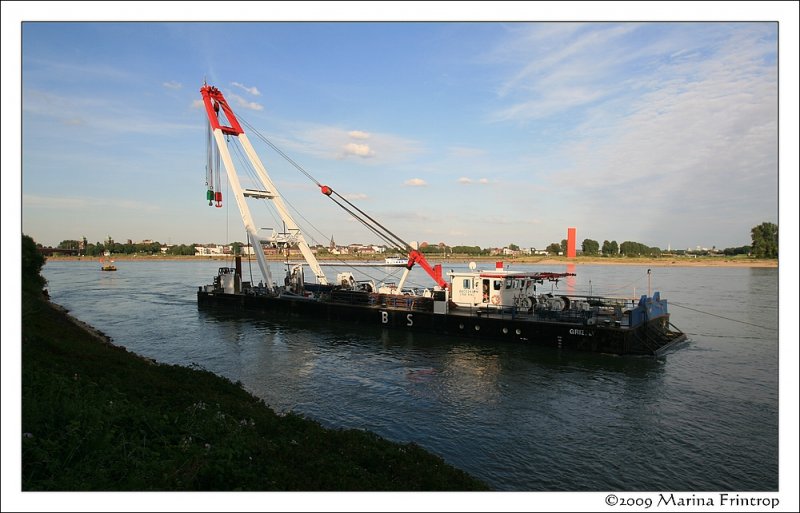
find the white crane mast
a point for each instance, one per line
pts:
(214, 101)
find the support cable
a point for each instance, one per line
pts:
(376, 229)
(721, 316)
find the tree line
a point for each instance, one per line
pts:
(141, 248)
(764, 245)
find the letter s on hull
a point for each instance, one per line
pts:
(410, 320)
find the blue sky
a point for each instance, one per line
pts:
(465, 133)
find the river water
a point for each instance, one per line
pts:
(704, 417)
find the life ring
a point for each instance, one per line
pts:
(495, 300)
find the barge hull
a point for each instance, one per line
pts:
(650, 338)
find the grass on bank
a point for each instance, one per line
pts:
(96, 417)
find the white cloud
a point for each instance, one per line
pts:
(251, 90)
(359, 150)
(569, 66)
(331, 142)
(172, 85)
(241, 102)
(562, 53)
(416, 182)
(358, 134)
(356, 196)
(466, 181)
(677, 119)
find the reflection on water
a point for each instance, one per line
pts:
(571, 279)
(519, 417)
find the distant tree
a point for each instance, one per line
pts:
(765, 240)
(742, 250)
(554, 248)
(629, 248)
(610, 248)
(564, 246)
(590, 247)
(466, 250)
(513, 247)
(94, 249)
(68, 244)
(32, 262)
(186, 249)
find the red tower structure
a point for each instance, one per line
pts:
(570, 242)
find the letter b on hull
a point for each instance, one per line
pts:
(385, 319)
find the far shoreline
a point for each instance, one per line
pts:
(671, 261)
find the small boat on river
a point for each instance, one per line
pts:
(108, 264)
(395, 261)
(477, 304)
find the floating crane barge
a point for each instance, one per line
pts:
(494, 304)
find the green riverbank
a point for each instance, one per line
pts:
(96, 417)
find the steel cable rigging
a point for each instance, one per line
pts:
(249, 171)
(365, 219)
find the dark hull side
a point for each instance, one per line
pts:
(651, 338)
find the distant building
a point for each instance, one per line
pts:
(209, 250)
